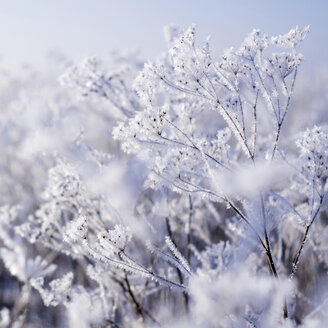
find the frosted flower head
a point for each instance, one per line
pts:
(314, 152)
(59, 292)
(116, 239)
(292, 38)
(253, 42)
(120, 235)
(77, 230)
(85, 76)
(63, 181)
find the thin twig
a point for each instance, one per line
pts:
(305, 235)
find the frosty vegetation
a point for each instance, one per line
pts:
(186, 192)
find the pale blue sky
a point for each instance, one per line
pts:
(28, 28)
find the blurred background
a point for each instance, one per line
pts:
(29, 30)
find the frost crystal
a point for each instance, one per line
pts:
(77, 230)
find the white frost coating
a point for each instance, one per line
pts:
(192, 151)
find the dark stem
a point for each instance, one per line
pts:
(269, 256)
(255, 124)
(276, 141)
(305, 235)
(137, 306)
(267, 241)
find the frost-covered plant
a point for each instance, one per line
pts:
(224, 200)
(186, 151)
(20, 265)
